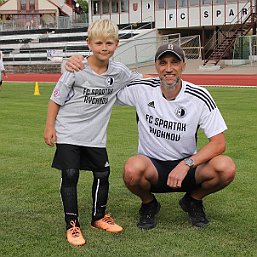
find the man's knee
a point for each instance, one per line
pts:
(134, 170)
(225, 169)
(229, 170)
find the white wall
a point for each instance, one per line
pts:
(193, 16)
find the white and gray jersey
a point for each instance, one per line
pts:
(86, 100)
(1, 68)
(168, 129)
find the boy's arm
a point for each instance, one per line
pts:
(74, 63)
(50, 133)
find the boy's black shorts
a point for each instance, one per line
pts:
(80, 157)
(1, 82)
(164, 168)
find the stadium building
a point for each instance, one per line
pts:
(207, 30)
(213, 20)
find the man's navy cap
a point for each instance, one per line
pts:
(170, 48)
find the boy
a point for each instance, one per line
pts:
(77, 119)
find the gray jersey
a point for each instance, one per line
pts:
(86, 100)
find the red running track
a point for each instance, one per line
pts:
(199, 79)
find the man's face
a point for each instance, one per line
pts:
(170, 69)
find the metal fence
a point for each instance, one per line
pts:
(245, 48)
(61, 22)
(142, 50)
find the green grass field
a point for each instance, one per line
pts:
(32, 222)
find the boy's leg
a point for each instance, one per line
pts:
(70, 204)
(68, 192)
(100, 190)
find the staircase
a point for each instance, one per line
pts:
(223, 40)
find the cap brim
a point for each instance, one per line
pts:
(169, 51)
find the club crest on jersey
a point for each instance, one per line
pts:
(109, 81)
(180, 112)
(56, 92)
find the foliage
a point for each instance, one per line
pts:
(83, 5)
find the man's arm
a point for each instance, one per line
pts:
(50, 133)
(215, 147)
(74, 63)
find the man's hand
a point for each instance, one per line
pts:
(74, 63)
(177, 175)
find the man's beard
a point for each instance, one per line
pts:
(169, 86)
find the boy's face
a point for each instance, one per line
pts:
(103, 48)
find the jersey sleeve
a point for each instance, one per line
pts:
(212, 121)
(128, 95)
(63, 88)
(127, 76)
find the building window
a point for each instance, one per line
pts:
(124, 5)
(96, 7)
(182, 3)
(106, 6)
(218, 1)
(194, 2)
(206, 2)
(115, 6)
(171, 4)
(160, 4)
(23, 5)
(32, 4)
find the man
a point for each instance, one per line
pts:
(170, 112)
(2, 69)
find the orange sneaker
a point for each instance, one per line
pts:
(74, 235)
(107, 223)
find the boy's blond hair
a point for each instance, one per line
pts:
(103, 28)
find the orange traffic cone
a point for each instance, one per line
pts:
(36, 90)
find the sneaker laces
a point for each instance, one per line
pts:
(75, 231)
(197, 209)
(108, 219)
(147, 211)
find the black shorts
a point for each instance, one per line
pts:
(164, 168)
(80, 157)
(1, 82)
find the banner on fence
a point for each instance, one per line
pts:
(55, 55)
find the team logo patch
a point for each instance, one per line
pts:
(109, 81)
(180, 112)
(56, 92)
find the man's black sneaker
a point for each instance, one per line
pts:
(147, 214)
(195, 211)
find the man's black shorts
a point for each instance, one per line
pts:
(80, 157)
(163, 169)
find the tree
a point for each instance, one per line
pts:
(81, 6)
